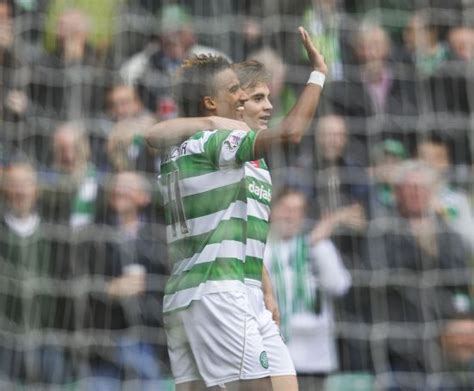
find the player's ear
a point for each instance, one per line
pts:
(209, 103)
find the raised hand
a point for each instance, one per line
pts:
(316, 59)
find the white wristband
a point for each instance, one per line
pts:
(317, 78)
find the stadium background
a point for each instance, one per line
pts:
(68, 109)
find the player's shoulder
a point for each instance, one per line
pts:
(217, 138)
(192, 145)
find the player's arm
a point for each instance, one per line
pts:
(269, 297)
(293, 126)
(170, 132)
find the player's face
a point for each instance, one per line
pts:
(229, 98)
(258, 108)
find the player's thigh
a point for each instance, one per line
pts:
(263, 384)
(197, 385)
(183, 365)
(285, 383)
(279, 358)
(224, 337)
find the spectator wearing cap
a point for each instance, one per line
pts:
(386, 157)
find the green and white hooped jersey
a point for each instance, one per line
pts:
(204, 191)
(259, 196)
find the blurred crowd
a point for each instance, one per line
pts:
(371, 250)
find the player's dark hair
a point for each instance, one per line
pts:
(196, 80)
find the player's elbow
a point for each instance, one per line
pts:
(149, 136)
(296, 138)
(292, 132)
(293, 137)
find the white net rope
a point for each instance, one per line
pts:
(81, 290)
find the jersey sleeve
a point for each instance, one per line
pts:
(227, 148)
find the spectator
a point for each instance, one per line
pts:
(332, 169)
(102, 17)
(392, 14)
(28, 258)
(460, 39)
(71, 183)
(386, 157)
(127, 151)
(422, 45)
(153, 68)
(15, 75)
(3, 158)
(339, 192)
(251, 33)
(457, 341)
(450, 203)
(122, 103)
(30, 32)
(307, 272)
(377, 94)
(68, 83)
(130, 260)
(448, 88)
(331, 28)
(418, 263)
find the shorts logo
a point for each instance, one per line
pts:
(264, 359)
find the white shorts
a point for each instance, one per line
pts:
(279, 356)
(216, 339)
